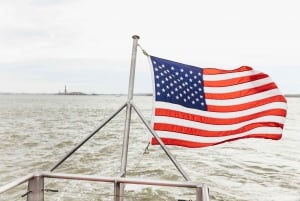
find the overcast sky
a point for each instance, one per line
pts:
(45, 44)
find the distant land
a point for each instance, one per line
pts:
(77, 94)
(292, 95)
(100, 94)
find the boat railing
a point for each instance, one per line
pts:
(35, 189)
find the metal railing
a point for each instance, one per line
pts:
(35, 191)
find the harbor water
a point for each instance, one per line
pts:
(36, 131)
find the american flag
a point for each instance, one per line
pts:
(199, 107)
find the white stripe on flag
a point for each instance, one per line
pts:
(176, 107)
(242, 100)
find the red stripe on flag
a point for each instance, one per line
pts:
(191, 144)
(183, 143)
(214, 71)
(206, 133)
(234, 81)
(245, 106)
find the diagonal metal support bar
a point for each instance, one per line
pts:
(88, 137)
(161, 143)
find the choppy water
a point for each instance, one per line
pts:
(38, 130)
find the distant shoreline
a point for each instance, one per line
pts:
(292, 95)
(77, 94)
(104, 94)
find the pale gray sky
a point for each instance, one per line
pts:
(86, 44)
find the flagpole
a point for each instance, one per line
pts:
(129, 108)
(128, 111)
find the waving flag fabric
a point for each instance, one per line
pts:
(198, 107)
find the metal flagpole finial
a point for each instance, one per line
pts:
(135, 37)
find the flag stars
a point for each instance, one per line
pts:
(178, 84)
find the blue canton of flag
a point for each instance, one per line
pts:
(178, 83)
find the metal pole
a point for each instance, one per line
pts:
(128, 113)
(117, 191)
(161, 143)
(36, 189)
(87, 138)
(202, 193)
(128, 109)
(132, 66)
